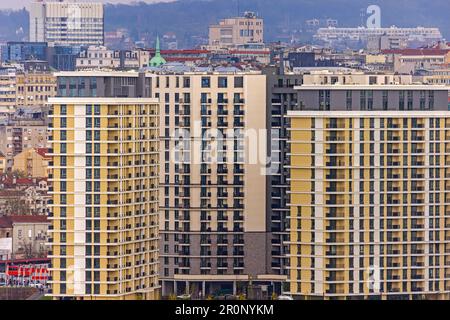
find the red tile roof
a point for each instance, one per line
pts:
(264, 52)
(181, 52)
(188, 51)
(8, 181)
(9, 221)
(180, 59)
(418, 52)
(29, 219)
(42, 152)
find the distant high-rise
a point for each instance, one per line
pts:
(67, 23)
(237, 31)
(423, 35)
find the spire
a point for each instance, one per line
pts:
(157, 60)
(158, 48)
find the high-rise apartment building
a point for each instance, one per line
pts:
(67, 22)
(281, 97)
(237, 31)
(213, 235)
(369, 192)
(215, 229)
(104, 213)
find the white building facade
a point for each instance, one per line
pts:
(67, 22)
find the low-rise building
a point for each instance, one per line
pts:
(28, 234)
(15, 136)
(409, 60)
(98, 58)
(7, 90)
(438, 76)
(33, 162)
(2, 163)
(35, 84)
(23, 196)
(30, 84)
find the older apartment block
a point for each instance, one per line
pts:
(237, 31)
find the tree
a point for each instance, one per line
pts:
(18, 174)
(27, 250)
(16, 204)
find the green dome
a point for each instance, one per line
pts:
(157, 60)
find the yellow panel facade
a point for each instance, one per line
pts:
(105, 198)
(369, 205)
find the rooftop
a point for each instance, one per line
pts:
(181, 68)
(10, 221)
(42, 152)
(417, 52)
(372, 87)
(10, 182)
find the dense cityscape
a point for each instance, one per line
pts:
(236, 168)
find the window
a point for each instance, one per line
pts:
(204, 98)
(63, 148)
(239, 82)
(206, 82)
(223, 82)
(186, 82)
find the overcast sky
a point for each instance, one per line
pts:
(23, 3)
